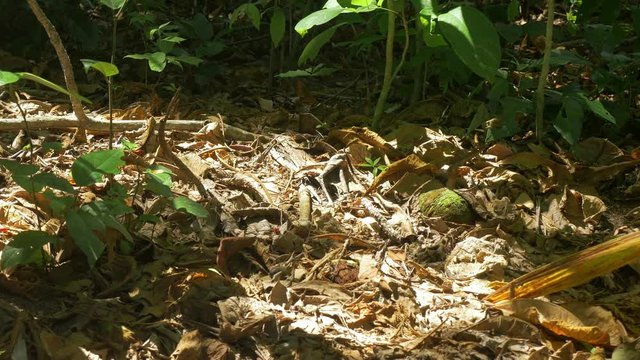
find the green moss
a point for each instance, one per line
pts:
(446, 204)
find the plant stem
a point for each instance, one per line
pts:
(32, 191)
(388, 65)
(544, 72)
(389, 73)
(67, 68)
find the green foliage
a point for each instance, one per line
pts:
(8, 78)
(26, 248)
(189, 206)
(91, 168)
(277, 26)
(104, 68)
(374, 165)
(113, 4)
(166, 39)
(473, 38)
(249, 10)
(318, 70)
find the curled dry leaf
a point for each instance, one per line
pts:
(592, 325)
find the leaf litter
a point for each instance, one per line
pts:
(301, 253)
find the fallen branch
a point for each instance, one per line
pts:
(96, 126)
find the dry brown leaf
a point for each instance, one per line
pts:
(587, 324)
(411, 163)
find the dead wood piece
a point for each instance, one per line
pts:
(168, 153)
(98, 126)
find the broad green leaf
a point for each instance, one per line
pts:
(113, 4)
(59, 204)
(50, 85)
(26, 248)
(104, 211)
(569, 120)
(90, 168)
(173, 39)
(202, 27)
(104, 68)
(277, 26)
(473, 38)
(254, 15)
(191, 60)
(159, 180)
(319, 70)
(427, 7)
(317, 18)
(7, 77)
(19, 169)
(313, 47)
(53, 181)
(56, 147)
(157, 60)
(479, 118)
(360, 3)
(513, 10)
(189, 206)
(507, 124)
(174, 60)
(252, 12)
(128, 145)
(81, 227)
(27, 183)
(596, 107)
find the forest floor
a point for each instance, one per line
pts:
(305, 254)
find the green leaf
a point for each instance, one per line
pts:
(569, 120)
(252, 12)
(317, 18)
(59, 204)
(596, 107)
(189, 206)
(104, 68)
(473, 38)
(56, 147)
(90, 168)
(7, 78)
(277, 26)
(81, 227)
(158, 180)
(113, 4)
(313, 47)
(191, 60)
(202, 27)
(19, 169)
(26, 248)
(104, 211)
(254, 15)
(50, 85)
(53, 181)
(128, 145)
(318, 70)
(157, 60)
(513, 10)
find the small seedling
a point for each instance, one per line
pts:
(373, 165)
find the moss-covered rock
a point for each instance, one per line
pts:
(446, 204)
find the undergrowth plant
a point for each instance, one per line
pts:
(55, 196)
(466, 30)
(86, 222)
